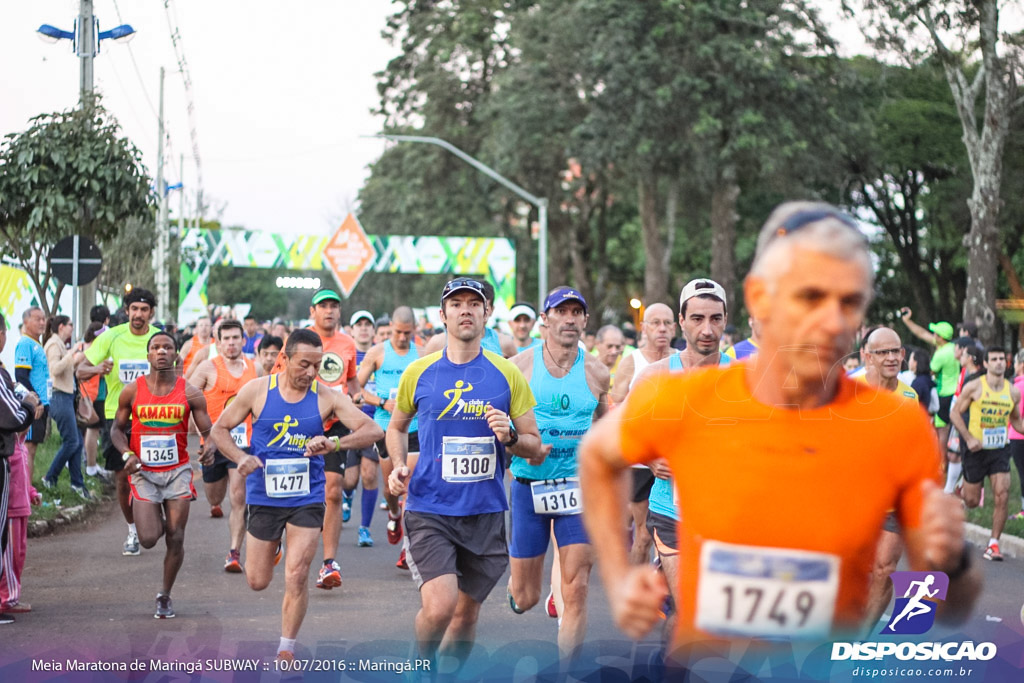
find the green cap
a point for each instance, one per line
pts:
(943, 329)
(326, 295)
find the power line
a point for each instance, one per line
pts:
(186, 76)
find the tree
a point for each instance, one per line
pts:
(69, 172)
(957, 32)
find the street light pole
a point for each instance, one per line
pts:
(540, 202)
(160, 255)
(86, 39)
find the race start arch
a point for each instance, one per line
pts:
(347, 254)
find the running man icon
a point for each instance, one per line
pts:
(920, 590)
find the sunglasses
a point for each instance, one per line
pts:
(462, 283)
(802, 219)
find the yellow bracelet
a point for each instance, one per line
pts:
(337, 444)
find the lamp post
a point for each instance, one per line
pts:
(85, 41)
(540, 202)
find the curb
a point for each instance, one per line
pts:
(1010, 546)
(67, 517)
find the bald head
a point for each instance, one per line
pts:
(609, 345)
(403, 314)
(659, 326)
(882, 354)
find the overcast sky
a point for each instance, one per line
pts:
(282, 95)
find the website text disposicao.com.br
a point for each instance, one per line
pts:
(912, 672)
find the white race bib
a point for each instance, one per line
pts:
(286, 477)
(158, 450)
(241, 436)
(766, 592)
(557, 496)
(130, 370)
(993, 437)
(466, 459)
(393, 394)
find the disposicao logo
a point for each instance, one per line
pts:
(914, 613)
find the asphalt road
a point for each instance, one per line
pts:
(90, 604)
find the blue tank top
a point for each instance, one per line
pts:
(534, 343)
(564, 411)
(388, 374)
(371, 385)
(661, 493)
(282, 431)
(491, 341)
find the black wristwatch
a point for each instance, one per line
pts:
(513, 436)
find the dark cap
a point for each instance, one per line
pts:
(463, 285)
(561, 295)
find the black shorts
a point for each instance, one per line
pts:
(663, 531)
(944, 404)
(353, 456)
(267, 522)
(474, 548)
(97, 407)
(980, 464)
(219, 469)
(643, 481)
(414, 445)
(38, 430)
(113, 457)
(335, 461)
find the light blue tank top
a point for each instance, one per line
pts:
(491, 341)
(565, 410)
(387, 376)
(282, 431)
(661, 492)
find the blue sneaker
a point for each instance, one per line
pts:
(346, 506)
(365, 540)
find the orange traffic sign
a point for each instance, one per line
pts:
(349, 253)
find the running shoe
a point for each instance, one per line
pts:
(512, 601)
(278, 554)
(18, 608)
(82, 492)
(550, 604)
(233, 565)
(1019, 515)
(47, 484)
(6, 618)
(164, 609)
(346, 506)
(216, 511)
(402, 564)
(394, 528)
(131, 545)
(330, 576)
(383, 505)
(365, 540)
(992, 553)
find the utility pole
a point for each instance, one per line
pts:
(160, 255)
(82, 298)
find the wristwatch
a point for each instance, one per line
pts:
(513, 436)
(126, 455)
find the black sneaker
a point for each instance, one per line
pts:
(164, 609)
(6, 618)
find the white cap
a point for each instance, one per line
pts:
(701, 285)
(522, 309)
(359, 315)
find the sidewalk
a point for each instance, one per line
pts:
(1010, 546)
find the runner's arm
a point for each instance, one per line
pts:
(623, 378)
(956, 415)
(202, 378)
(435, 343)
(1015, 419)
(915, 329)
(938, 545)
(197, 404)
(397, 439)
(529, 446)
(118, 430)
(635, 593)
(364, 431)
(508, 345)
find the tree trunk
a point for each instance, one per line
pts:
(723, 230)
(655, 247)
(983, 257)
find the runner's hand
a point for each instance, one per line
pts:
(535, 460)
(206, 453)
(389, 405)
(398, 482)
(942, 526)
(249, 465)
(973, 443)
(106, 366)
(319, 445)
(499, 423)
(636, 604)
(660, 469)
(132, 464)
(905, 313)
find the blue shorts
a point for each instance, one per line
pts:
(530, 531)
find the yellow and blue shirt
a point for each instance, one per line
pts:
(450, 401)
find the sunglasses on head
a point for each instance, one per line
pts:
(802, 219)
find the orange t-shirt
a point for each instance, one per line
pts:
(781, 508)
(339, 362)
(196, 346)
(226, 388)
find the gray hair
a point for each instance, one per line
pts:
(817, 226)
(603, 332)
(28, 313)
(1019, 358)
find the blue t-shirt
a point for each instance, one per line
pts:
(532, 344)
(661, 498)
(491, 341)
(252, 344)
(388, 374)
(565, 411)
(282, 431)
(371, 385)
(29, 355)
(461, 466)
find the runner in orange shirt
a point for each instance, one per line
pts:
(783, 467)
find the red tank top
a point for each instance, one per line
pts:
(160, 426)
(226, 388)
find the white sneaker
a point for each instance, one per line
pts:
(131, 545)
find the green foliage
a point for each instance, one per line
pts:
(69, 172)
